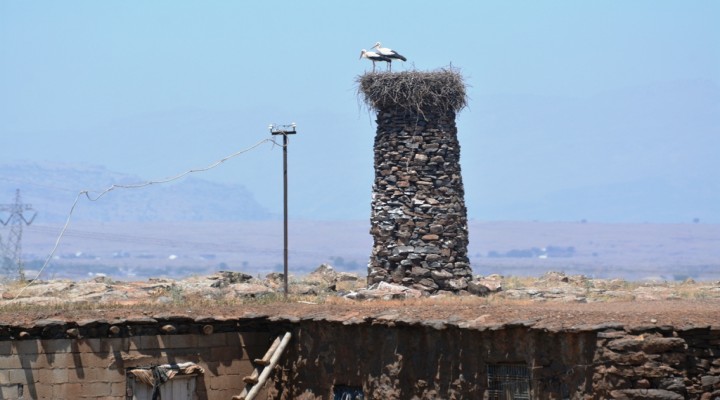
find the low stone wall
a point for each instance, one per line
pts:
(49, 365)
(658, 363)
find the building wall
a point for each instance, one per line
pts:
(383, 358)
(420, 362)
(416, 361)
(95, 368)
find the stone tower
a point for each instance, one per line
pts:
(418, 217)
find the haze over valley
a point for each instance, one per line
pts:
(195, 226)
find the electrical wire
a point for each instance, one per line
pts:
(178, 176)
(86, 193)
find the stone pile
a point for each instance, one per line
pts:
(418, 217)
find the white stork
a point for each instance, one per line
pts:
(373, 56)
(389, 53)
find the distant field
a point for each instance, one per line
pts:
(142, 250)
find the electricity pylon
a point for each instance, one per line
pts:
(12, 247)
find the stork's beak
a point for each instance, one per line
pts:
(361, 54)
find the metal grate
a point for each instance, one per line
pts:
(508, 382)
(348, 393)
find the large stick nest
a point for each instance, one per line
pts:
(414, 91)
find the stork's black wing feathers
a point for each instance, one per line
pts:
(381, 57)
(397, 55)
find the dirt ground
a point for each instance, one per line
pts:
(455, 310)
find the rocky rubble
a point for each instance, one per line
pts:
(231, 286)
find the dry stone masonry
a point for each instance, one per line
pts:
(658, 362)
(418, 216)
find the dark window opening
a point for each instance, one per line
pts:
(348, 393)
(508, 382)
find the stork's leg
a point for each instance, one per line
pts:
(389, 66)
(373, 67)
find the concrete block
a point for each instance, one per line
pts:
(24, 376)
(91, 360)
(234, 367)
(179, 341)
(251, 338)
(68, 391)
(53, 360)
(49, 376)
(96, 389)
(56, 346)
(225, 354)
(214, 340)
(205, 354)
(90, 345)
(41, 390)
(103, 375)
(135, 343)
(149, 343)
(77, 390)
(103, 345)
(26, 348)
(76, 375)
(118, 389)
(225, 382)
(11, 391)
(9, 362)
(5, 348)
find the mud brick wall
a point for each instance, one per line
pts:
(418, 216)
(416, 360)
(95, 368)
(658, 363)
(401, 359)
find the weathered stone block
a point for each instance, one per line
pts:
(441, 275)
(656, 345)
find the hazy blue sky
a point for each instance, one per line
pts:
(569, 101)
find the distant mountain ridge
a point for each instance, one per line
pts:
(51, 189)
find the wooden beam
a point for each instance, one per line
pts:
(266, 358)
(268, 369)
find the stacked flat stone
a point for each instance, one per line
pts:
(418, 217)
